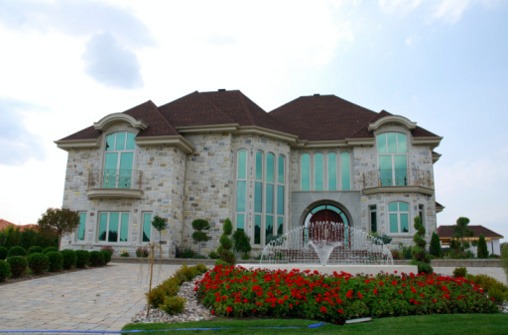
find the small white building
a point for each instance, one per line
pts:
(447, 234)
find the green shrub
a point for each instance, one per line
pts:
(38, 263)
(142, 252)
(184, 253)
(169, 287)
(82, 258)
(504, 258)
(107, 256)
(18, 265)
(241, 242)
(55, 261)
(460, 272)
(49, 249)
(69, 258)
(124, 253)
(16, 251)
(5, 271)
(109, 249)
(3, 253)
(173, 305)
(483, 251)
(494, 288)
(96, 258)
(34, 249)
(213, 255)
(435, 246)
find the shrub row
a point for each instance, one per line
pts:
(16, 264)
(164, 296)
(20, 251)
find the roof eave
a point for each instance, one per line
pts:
(432, 141)
(67, 145)
(274, 134)
(173, 140)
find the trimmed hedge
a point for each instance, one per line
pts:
(96, 258)
(49, 249)
(69, 258)
(3, 253)
(34, 249)
(82, 258)
(55, 261)
(38, 263)
(18, 264)
(107, 256)
(16, 251)
(5, 271)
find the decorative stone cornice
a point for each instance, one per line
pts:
(67, 145)
(229, 127)
(175, 140)
(274, 134)
(392, 119)
(107, 121)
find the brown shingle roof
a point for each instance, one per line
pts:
(477, 230)
(312, 118)
(322, 117)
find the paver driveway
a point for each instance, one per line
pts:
(103, 298)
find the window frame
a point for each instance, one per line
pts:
(108, 230)
(399, 214)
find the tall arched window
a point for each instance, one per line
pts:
(345, 162)
(281, 191)
(258, 197)
(318, 172)
(399, 217)
(332, 171)
(118, 160)
(270, 195)
(241, 188)
(392, 151)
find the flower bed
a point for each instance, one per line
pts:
(238, 292)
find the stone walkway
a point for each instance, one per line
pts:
(96, 299)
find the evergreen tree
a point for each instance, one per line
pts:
(435, 246)
(420, 256)
(199, 235)
(224, 250)
(483, 252)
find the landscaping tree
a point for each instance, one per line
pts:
(461, 231)
(241, 243)
(159, 224)
(435, 246)
(504, 258)
(60, 221)
(420, 256)
(199, 235)
(224, 250)
(483, 252)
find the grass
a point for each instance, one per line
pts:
(478, 324)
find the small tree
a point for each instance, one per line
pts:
(224, 250)
(241, 243)
(483, 252)
(60, 221)
(420, 256)
(435, 246)
(504, 258)
(159, 224)
(199, 235)
(461, 231)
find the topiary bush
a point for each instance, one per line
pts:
(34, 249)
(49, 249)
(460, 272)
(107, 256)
(16, 251)
(96, 258)
(483, 251)
(173, 305)
(18, 265)
(3, 253)
(69, 258)
(82, 258)
(55, 261)
(5, 271)
(435, 246)
(38, 263)
(224, 250)
(241, 243)
(420, 257)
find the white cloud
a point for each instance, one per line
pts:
(450, 11)
(400, 7)
(110, 63)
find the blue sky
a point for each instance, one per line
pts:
(441, 63)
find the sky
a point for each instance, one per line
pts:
(442, 63)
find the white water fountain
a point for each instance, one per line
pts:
(329, 243)
(329, 247)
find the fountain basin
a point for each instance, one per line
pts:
(329, 269)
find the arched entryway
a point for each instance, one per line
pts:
(326, 221)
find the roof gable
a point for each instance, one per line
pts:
(477, 230)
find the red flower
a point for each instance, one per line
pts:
(229, 309)
(349, 294)
(323, 309)
(360, 295)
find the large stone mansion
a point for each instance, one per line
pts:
(218, 155)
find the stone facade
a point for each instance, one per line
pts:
(192, 174)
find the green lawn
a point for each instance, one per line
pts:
(460, 324)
